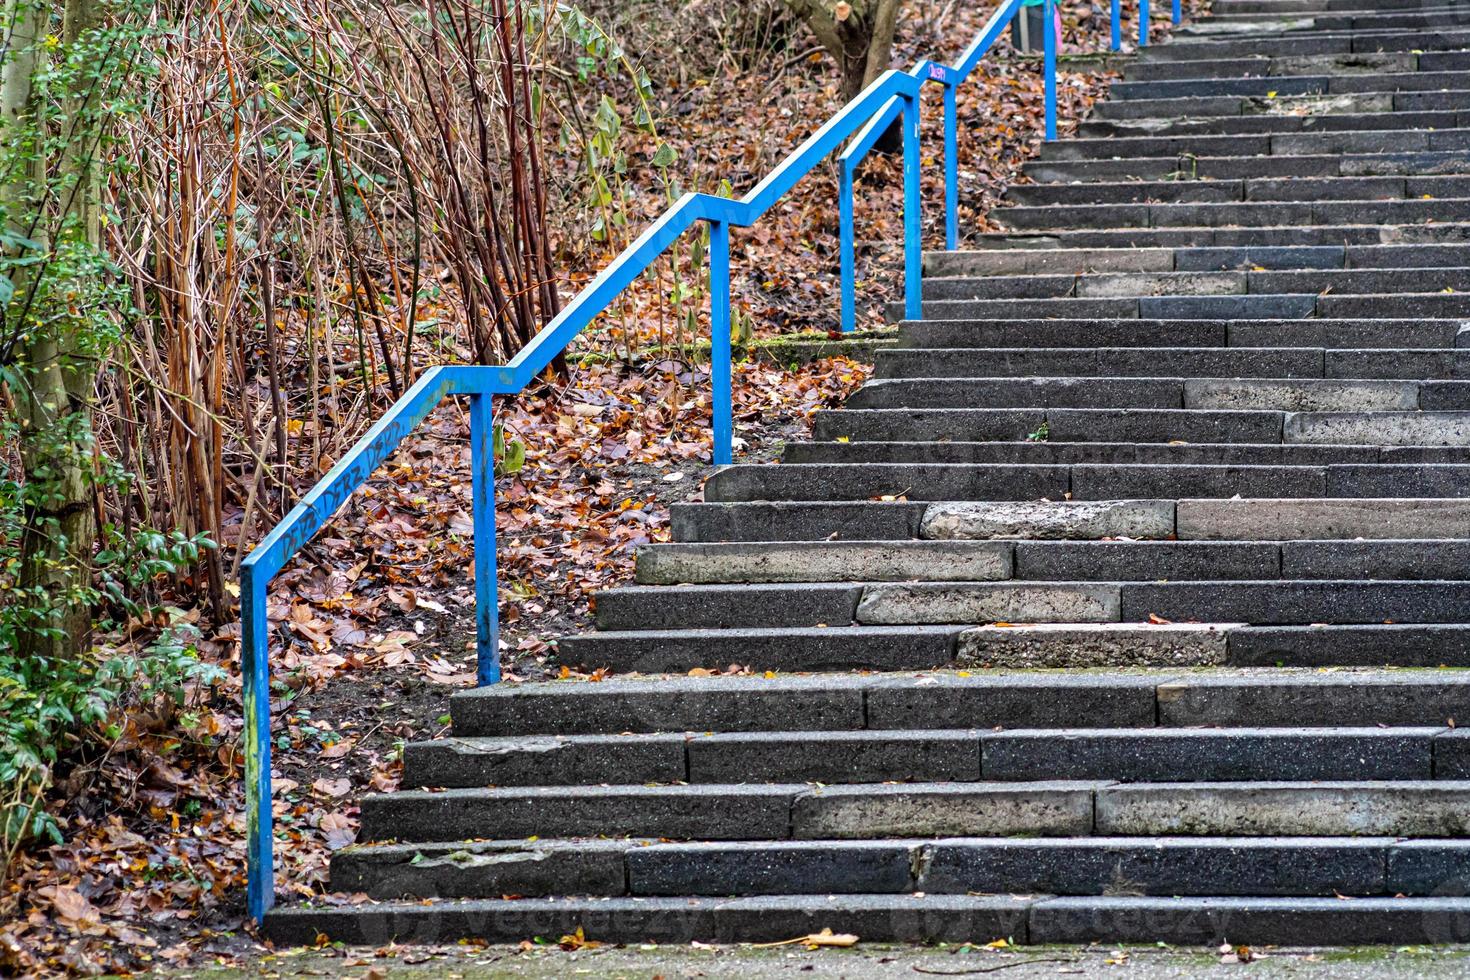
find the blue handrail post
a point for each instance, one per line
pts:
(721, 396)
(951, 169)
(1117, 25)
(482, 506)
(913, 248)
(255, 673)
(847, 272)
(1142, 23)
(1178, 13)
(1049, 59)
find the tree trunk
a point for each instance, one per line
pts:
(55, 397)
(858, 35)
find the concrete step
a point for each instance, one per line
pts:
(833, 647)
(1254, 454)
(1170, 866)
(1189, 166)
(1209, 50)
(925, 755)
(1177, 107)
(1038, 424)
(914, 918)
(1341, 396)
(796, 521)
(764, 811)
(1080, 481)
(1287, 25)
(1209, 755)
(1213, 285)
(824, 561)
(1265, 603)
(996, 699)
(671, 921)
(1131, 362)
(1387, 428)
(1348, 334)
(1183, 645)
(773, 811)
(1195, 362)
(1259, 214)
(1423, 808)
(1406, 645)
(1273, 123)
(1285, 145)
(1260, 519)
(726, 606)
(1225, 7)
(1288, 190)
(1068, 261)
(1233, 307)
(1288, 602)
(1291, 66)
(1258, 921)
(1248, 237)
(995, 560)
(1321, 84)
(1443, 304)
(1307, 519)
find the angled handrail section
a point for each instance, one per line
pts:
(893, 96)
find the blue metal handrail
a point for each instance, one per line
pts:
(892, 96)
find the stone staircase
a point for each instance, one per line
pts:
(1117, 607)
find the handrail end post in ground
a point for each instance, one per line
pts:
(913, 249)
(260, 891)
(1178, 11)
(482, 507)
(1142, 23)
(951, 168)
(722, 395)
(1115, 39)
(1050, 27)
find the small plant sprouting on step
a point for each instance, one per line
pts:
(1185, 168)
(1042, 433)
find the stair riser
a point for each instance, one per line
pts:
(1430, 15)
(1052, 561)
(1063, 453)
(1415, 809)
(1182, 48)
(1261, 603)
(1395, 62)
(924, 756)
(1301, 362)
(1002, 700)
(1278, 145)
(1377, 282)
(1255, 125)
(1348, 234)
(1296, 85)
(1192, 520)
(1089, 866)
(1293, 191)
(1163, 393)
(1187, 165)
(1227, 7)
(1260, 214)
(1327, 334)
